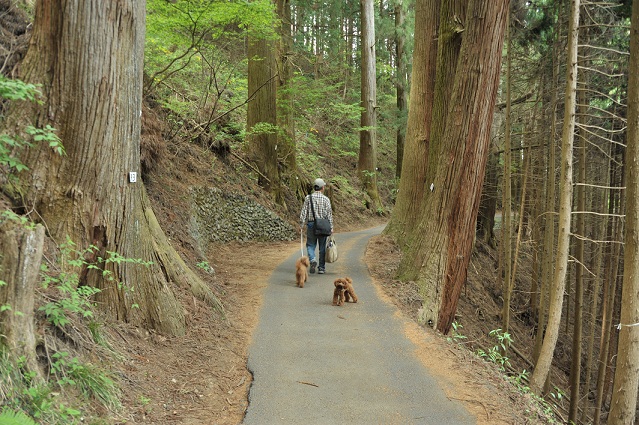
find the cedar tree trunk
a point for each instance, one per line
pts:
(88, 56)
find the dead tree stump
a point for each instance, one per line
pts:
(21, 250)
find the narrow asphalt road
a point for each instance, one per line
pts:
(314, 363)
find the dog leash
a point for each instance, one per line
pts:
(301, 241)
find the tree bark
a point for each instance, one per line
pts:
(488, 202)
(506, 228)
(548, 247)
(285, 108)
(542, 366)
(21, 250)
(611, 270)
(285, 116)
(624, 395)
(537, 159)
(261, 121)
(412, 185)
(440, 252)
(580, 226)
(88, 56)
(401, 71)
(367, 164)
(598, 257)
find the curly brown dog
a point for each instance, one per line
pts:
(301, 271)
(343, 291)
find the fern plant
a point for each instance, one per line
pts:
(10, 417)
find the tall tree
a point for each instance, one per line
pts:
(261, 119)
(88, 58)
(285, 115)
(401, 81)
(542, 365)
(367, 164)
(624, 395)
(506, 228)
(439, 251)
(580, 226)
(412, 184)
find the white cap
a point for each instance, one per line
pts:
(319, 183)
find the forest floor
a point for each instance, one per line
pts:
(201, 378)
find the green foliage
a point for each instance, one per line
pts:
(8, 215)
(323, 115)
(191, 56)
(27, 399)
(310, 162)
(204, 265)
(521, 382)
(46, 134)
(345, 186)
(86, 378)
(12, 144)
(456, 335)
(181, 22)
(10, 417)
(18, 90)
(69, 377)
(262, 128)
(75, 299)
(558, 394)
(496, 354)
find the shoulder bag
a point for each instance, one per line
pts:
(321, 226)
(331, 249)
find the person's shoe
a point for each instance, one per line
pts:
(320, 271)
(313, 265)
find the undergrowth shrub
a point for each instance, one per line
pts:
(71, 384)
(11, 144)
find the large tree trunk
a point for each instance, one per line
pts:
(440, 251)
(624, 396)
(88, 57)
(542, 365)
(400, 84)
(285, 115)
(412, 185)
(367, 164)
(439, 25)
(262, 114)
(21, 251)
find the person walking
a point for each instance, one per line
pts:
(322, 209)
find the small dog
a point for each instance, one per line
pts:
(301, 271)
(343, 291)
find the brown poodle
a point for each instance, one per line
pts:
(301, 271)
(343, 291)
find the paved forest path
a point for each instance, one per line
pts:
(314, 363)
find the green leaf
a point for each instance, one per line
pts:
(10, 417)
